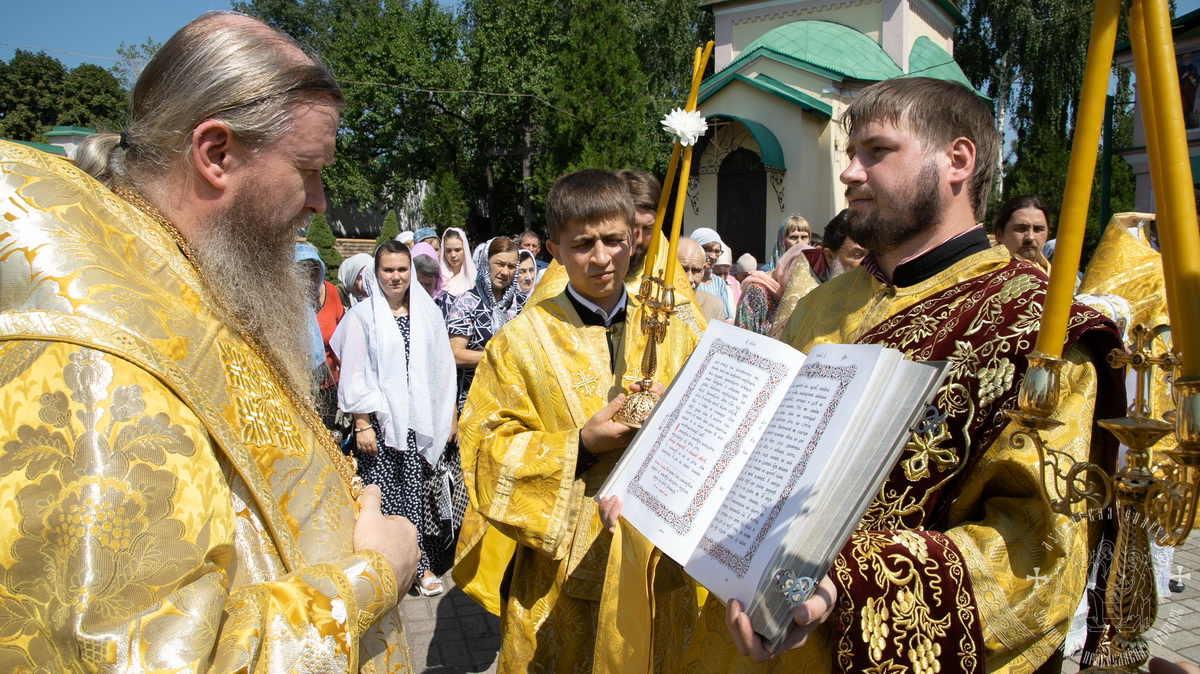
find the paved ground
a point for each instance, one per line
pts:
(451, 633)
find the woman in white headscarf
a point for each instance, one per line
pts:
(350, 273)
(397, 381)
(458, 269)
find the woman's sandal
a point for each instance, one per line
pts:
(430, 586)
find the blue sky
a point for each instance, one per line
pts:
(94, 28)
(97, 28)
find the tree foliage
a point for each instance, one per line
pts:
(487, 103)
(321, 236)
(389, 230)
(1029, 57)
(134, 57)
(39, 92)
(600, 93)
(93, 98)
(33, 91)
(445, 204)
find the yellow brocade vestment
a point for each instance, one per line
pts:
(170, 505)
(1125, 264)
(542, 377)
(1026, 566)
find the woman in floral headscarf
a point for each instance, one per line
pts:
(481, 311)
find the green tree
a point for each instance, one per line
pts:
(321, 236)
(92, 97)
(476, 95)
(1028, 56)
(33, 89)
(444, 205)
(134, 57)
(392, 59)
(600, 91)
(389, 230)
(511, 47)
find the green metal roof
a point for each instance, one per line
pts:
(926, 59)
(769, 150)
(71, 131)
(827, 46)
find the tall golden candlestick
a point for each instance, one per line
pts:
(657, 292)
(1072, 221)
(1177, 228)
(1145, 504)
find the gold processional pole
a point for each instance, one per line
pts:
(657, 290)
(1145, 503)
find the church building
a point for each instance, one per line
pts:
(785, 71)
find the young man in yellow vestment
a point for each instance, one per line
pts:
(537, 441)
(172, 500)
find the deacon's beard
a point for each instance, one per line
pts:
(879, 233)
(247, 259)
(1028, 253)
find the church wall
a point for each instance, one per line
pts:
(929, 20)
(806, 141)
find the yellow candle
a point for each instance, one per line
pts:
(1177, 229)
(677, 221)
(1148, 100)
(1073, 219)
(661, 214)
(698, 65)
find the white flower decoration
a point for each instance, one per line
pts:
(684, 125)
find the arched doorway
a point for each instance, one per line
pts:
(742, 203)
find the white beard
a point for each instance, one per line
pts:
(246, 258)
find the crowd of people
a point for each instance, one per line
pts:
(171, 460)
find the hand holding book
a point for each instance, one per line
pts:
(760, 460)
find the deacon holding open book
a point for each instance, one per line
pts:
(538, 439)
(957, 563)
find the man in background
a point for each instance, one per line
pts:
(1022, 224)
(531, 242)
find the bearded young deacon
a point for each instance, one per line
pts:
(958, 565)
(174, 501)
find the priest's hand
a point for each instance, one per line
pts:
(601, 434)
(807, 617)
(610, 510)
(392, 536)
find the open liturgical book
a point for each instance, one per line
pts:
(759, 461)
